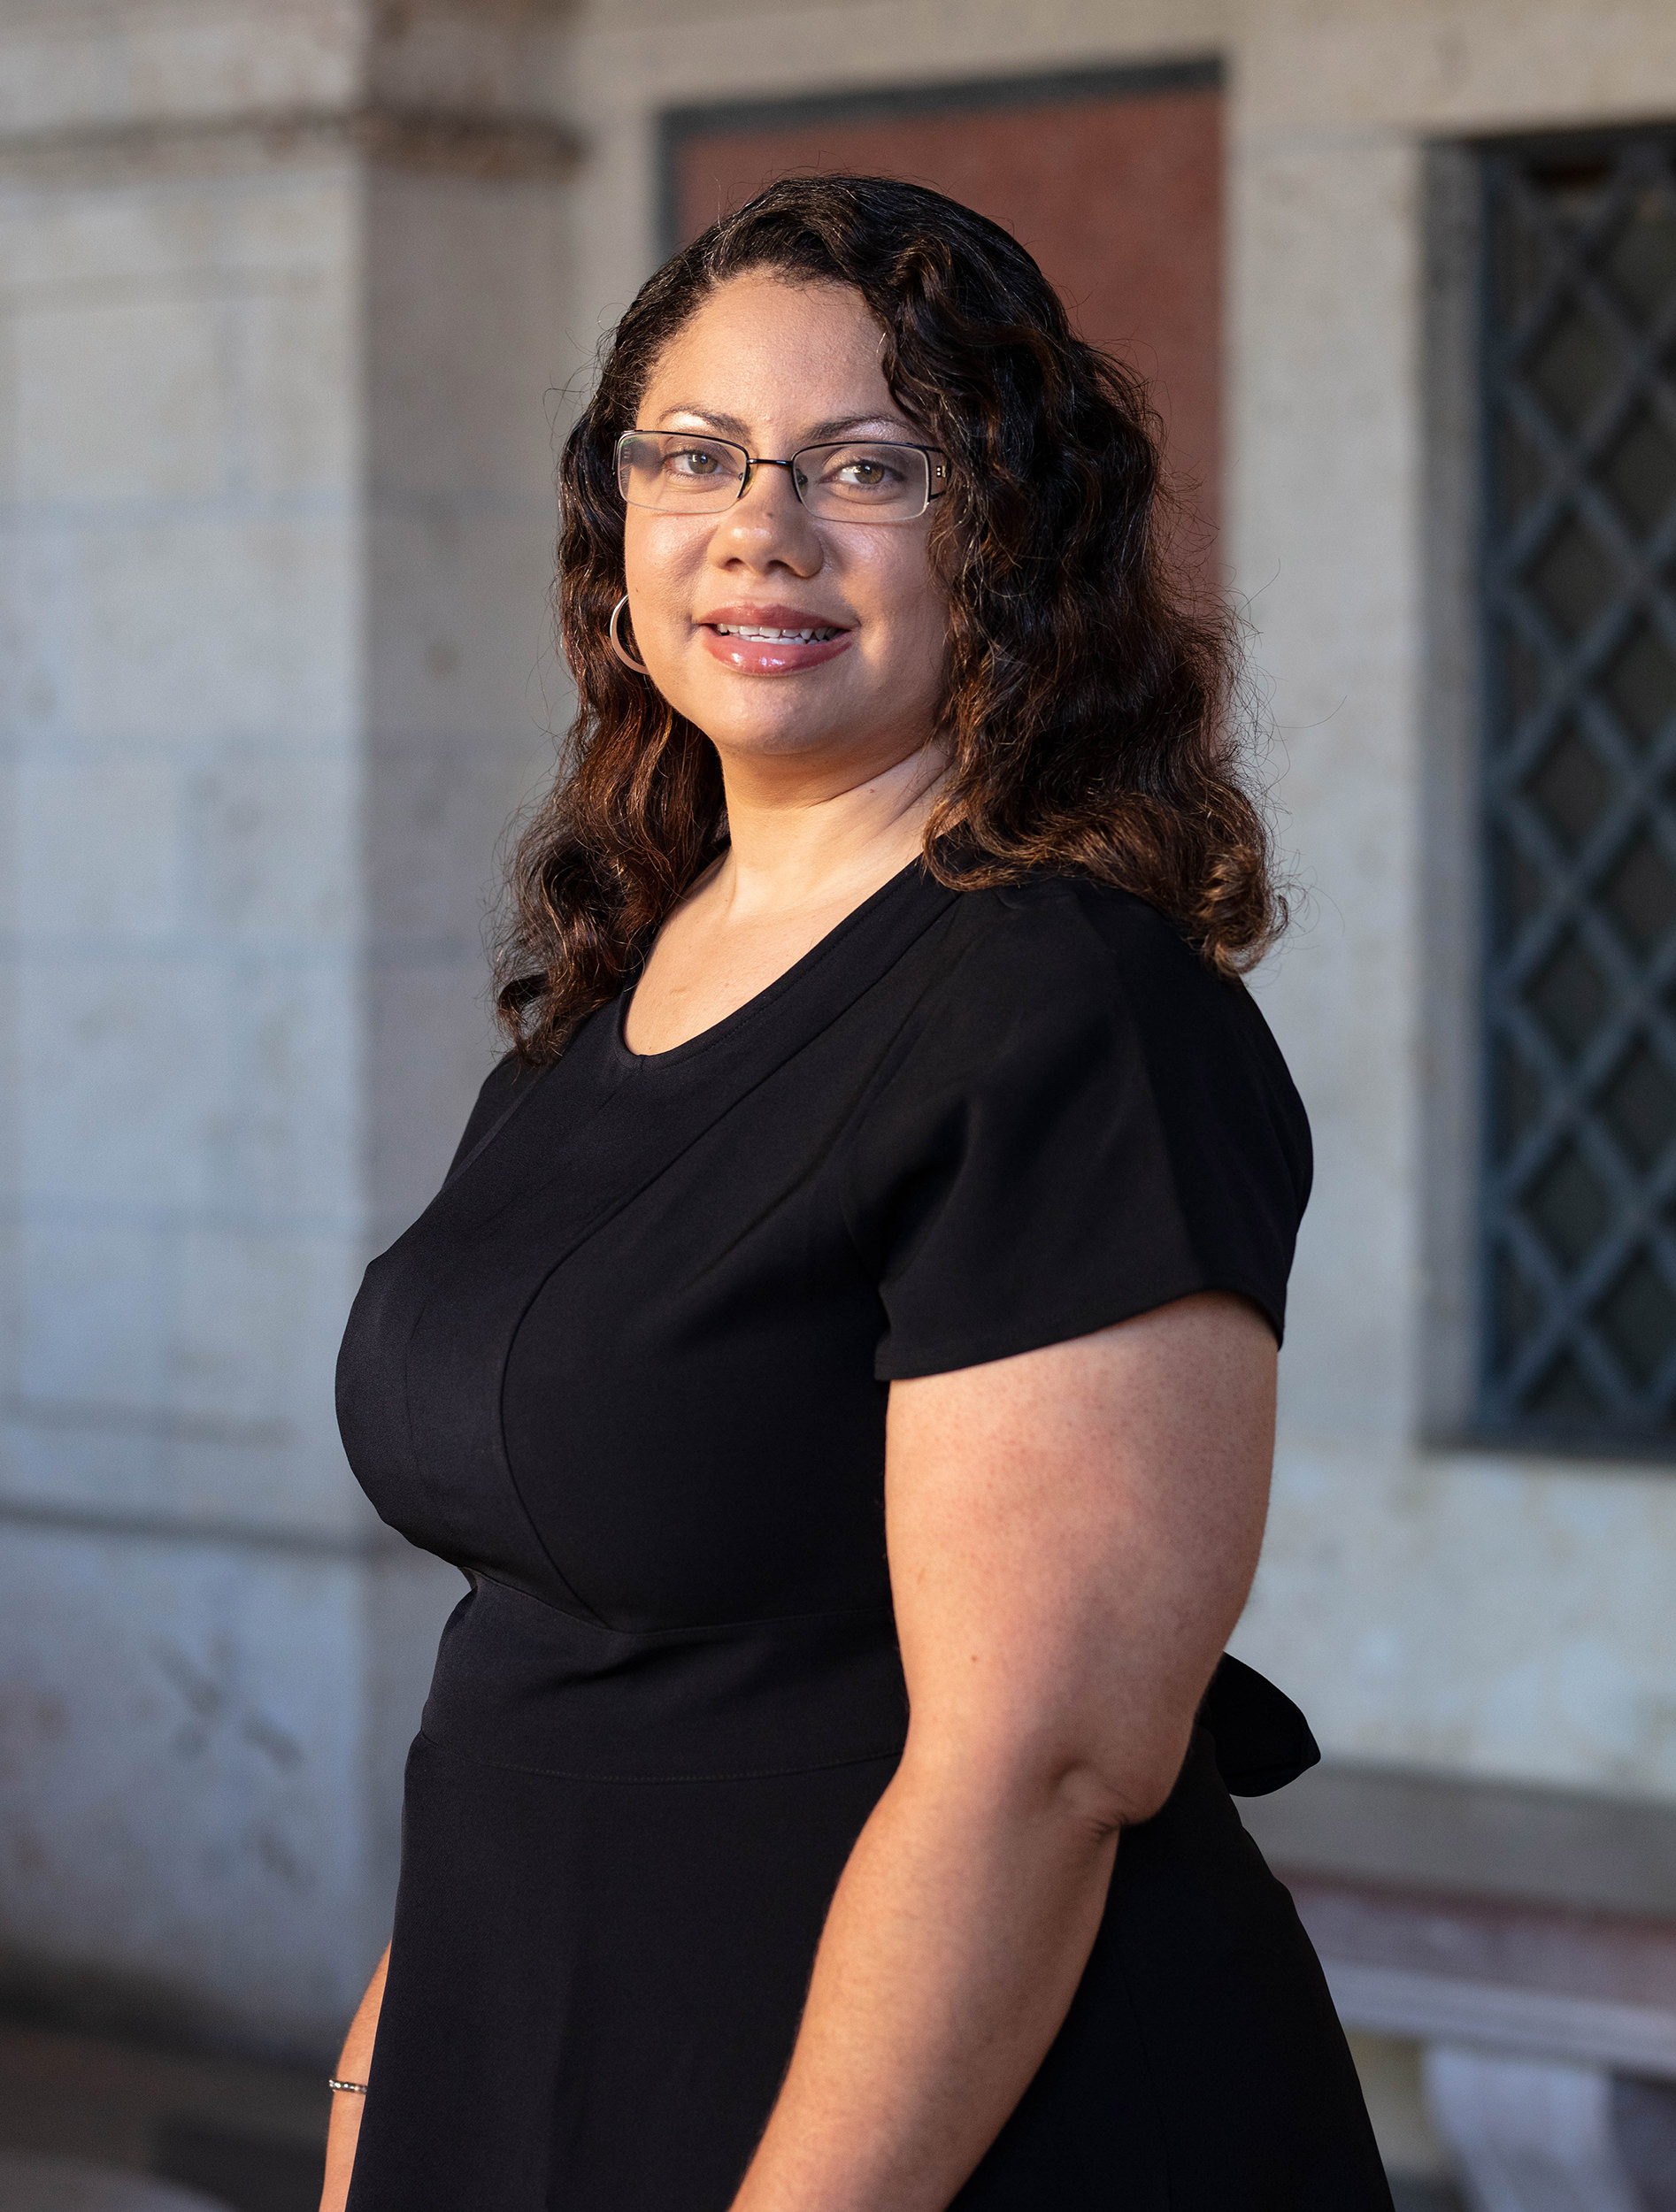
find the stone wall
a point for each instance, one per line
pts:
(281, 301)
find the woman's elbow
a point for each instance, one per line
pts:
(1107, 1787)
(1092, 1788)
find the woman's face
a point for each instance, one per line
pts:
(775, 366)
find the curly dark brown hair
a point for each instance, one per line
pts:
(1087, 718)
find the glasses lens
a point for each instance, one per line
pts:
(863, 480)
(677, 470)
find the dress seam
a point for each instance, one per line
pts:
(697, 1630)
(744, 1774)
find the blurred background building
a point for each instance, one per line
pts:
(295, 295)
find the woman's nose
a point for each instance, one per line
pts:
(769, 522)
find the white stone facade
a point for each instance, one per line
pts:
(281, 317)
(291, 297)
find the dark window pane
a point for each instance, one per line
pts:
(1574, 578)
(1639, 471)
(1524, 679)
(1570, 997)
(1570, 1205)
(1571, 787)
(1524, 259)
(1518, 1097)
(1639, 1107)
(1519, 888)
(1519, 1309)
(1641, 894)
(1574, 366)
(1521, 473)
(1637, 1316)
(1565, 1394)
(1642, 262)
(1640, 684)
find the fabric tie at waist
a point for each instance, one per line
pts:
(520, 1684)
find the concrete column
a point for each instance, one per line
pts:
(279, 330)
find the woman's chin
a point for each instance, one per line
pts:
(752, 721)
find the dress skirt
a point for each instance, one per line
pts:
(617, 1854)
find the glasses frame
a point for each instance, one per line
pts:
(936, 465)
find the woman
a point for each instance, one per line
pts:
(843, 1354)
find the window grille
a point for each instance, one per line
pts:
(1579, 1278)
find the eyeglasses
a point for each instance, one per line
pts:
(859, 479)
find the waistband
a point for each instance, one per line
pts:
(519, 1684)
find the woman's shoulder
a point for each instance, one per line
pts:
(1061, 982)
(1086, 1114)
(1063, 950)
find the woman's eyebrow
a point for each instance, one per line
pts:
(841, 426)
(728, 424)
(846, 425)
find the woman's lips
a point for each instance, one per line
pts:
(771, 648)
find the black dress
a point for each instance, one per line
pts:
(629, 1371)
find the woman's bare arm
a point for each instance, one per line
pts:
(353, 2060)
(1073, 1534)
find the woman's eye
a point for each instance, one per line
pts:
(692, 461)
(867, 475)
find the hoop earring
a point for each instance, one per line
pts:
(617, 647)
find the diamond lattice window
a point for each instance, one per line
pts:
(1580, 613)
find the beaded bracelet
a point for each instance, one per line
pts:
(354, 2088)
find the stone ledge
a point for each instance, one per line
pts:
(1459, 1835)
(1635, 2039)
(433, 142)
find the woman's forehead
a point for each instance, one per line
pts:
(763, 348)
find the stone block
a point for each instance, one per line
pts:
(175, 629)
(105, 1117)
(180, 1373)
(441, 804)
(431, 1041)
(99, 846)
(94, 1321)
(462, 643)
(185, 1747)
(122, 399)
(30, 2183)
(205, 234)
(297, 354)
(75, 65)
(269, 849)
(280, 1141)
(1359, 69)
(501, 55)
(1394, 1601)
(1325, 498)
(467, 338)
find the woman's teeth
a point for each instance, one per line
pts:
(773, 637)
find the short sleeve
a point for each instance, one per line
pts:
(1082, 1123)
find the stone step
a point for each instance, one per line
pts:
(31, 2184)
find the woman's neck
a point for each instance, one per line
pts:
(799, 861)
(794, 848)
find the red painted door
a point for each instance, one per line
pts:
(1117, 192)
